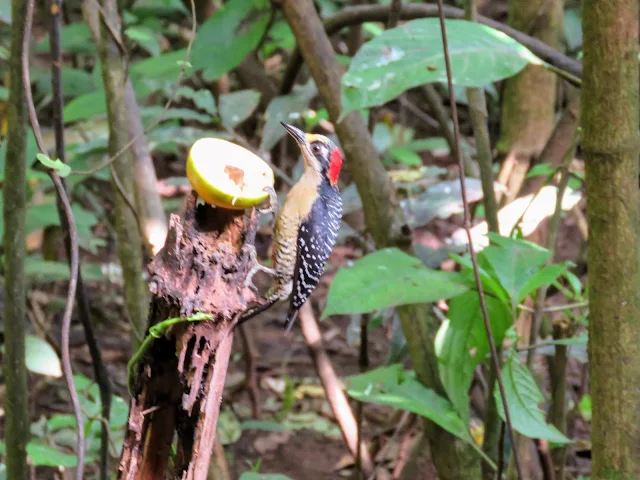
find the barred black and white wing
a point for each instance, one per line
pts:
(316, 238)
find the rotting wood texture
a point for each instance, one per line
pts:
(179, 382)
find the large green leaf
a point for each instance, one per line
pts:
(461, 343)
(228, 36)
(393, 386)
(236, 107)
(47, 456)
(523, 397)
(41, 357)
(388, 278)
(74, 38)
(411, 55)
(514, 263)
(283, 109)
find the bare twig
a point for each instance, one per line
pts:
(440, 112)
(363, 363)
(335, 396)
(467, 227)
(73, 239)
(478, 115)
(165, 109)
(100, 371)
(394, 13)
(250, 378)
(552, 234)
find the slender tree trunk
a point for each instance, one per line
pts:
(453, 458)
(14, 211)
(127, 228)
(529, 98)
(610, 146)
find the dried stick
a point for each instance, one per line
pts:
(336, 397)
(73, 240)
(477, 101)
(99, 369)
(467, 227)
(363, 363)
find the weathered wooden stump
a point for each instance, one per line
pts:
(180, 380)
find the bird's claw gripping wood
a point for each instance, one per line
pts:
(273, 203)
(253, 260)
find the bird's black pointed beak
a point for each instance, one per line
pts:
(296, 133)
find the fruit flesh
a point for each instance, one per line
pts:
(227, 175)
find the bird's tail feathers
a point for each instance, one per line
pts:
(291, 319)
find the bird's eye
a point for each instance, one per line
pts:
(315, 148)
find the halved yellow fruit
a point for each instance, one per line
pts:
(228, 175)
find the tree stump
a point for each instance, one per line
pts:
(180, 379)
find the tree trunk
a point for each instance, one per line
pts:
(129, 240)
(385, 221)
(178, 387)
(529, 98)
(14, 244)
(610, 147)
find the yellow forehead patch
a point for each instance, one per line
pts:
(312, 137)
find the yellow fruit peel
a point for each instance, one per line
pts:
(228, 175)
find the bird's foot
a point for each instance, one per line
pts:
(255, 267)
(273, 205)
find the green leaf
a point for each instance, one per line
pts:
(405, 155)
(74, 38)
(41, 358)
(395, 387)
(232, 33)
(58, 165)
(203, 99)
(265, 425)
(150, 114)
(544, 276)
(542, 169)
(523, 397)
(434, 144)
(159, 7)
(285, 108)
(46, 456)
(581, 339)
(514, 263)
(145, 37)
(388, 278)
(461, 343)
(263, 476)
(585, 407)
(75, 82)
(228, 429)
(489, 284)
(85, 106)
(411, 55)
(236, 107)
(165, 67)
(39, 270)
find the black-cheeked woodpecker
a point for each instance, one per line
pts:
(306, 227)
